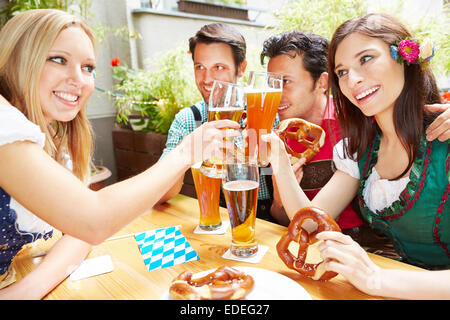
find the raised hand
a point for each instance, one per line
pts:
(277, 155)
(211, 139)
(440, 127)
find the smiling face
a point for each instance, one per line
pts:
(67, 81)
(214, 61)
(301, 97)
(368, 76)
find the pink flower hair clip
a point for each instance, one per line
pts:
(410, 51)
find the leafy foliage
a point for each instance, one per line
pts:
(157, 93)
(436, 28)
(319, 17)
(78, 7)
(323, 17)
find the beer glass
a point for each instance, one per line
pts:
(240, 186)
(263, 95)
(226, 101)
(208, 196)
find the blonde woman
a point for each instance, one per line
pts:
(47, 60)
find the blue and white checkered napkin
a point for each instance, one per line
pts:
(164, 247)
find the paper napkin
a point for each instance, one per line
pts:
(164, 247)
(92, 267)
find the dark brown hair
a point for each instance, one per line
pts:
(312, 48)
(221, 33)
(410, 117)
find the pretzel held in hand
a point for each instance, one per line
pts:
(225, 283)
(298, 234)
(308, 134)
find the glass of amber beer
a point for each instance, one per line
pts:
(263, 95)
(226, 101)
(208, 196)
(240, 186)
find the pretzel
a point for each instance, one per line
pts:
(225, 283)
(298, 234)
(304, 133)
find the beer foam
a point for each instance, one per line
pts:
(263, 90)
(240, 185)
(225, 108)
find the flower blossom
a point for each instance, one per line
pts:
(409, 50)
(446, 97)
(115, 62)
(426, 49)
(394, 52)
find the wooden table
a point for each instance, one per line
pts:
(131, 280)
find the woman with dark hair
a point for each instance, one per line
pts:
(380, 82)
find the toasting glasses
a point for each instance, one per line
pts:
(227, 101)
(263, 95)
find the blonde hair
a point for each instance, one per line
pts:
(26, 40)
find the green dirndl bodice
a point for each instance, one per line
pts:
(418, 224)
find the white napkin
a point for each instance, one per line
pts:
(92, 267)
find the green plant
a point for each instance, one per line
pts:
(436, 27)
(133, 94)
(78, 7)
(323, 17)
(319, 17)
(158, 92)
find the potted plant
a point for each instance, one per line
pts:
(445, 96)
(133, 100)
(147, 101)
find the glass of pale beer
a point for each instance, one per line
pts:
(240, 186)
(226, 101)
(208, 196)
(263, 95)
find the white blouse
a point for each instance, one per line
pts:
(378, 193)
(14, 126)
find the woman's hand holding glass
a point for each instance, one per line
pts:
(211, 139)
(276, 151)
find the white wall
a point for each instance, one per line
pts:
(112, 14)
(161, 32)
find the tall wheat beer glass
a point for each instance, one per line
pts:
(208, 196)
(240, 186)
(227, 101)
(263, 95)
